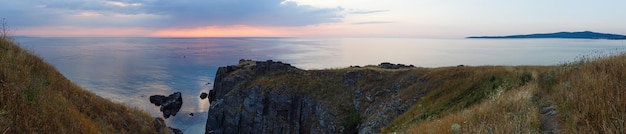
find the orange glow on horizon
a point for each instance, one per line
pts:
(213, 31)
(323, 30)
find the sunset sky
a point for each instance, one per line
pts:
(309, 18)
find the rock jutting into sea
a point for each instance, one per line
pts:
(203, 95)
(275, 97)
(170, 105)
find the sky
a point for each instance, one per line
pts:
(309, 18)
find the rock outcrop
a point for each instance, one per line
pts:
(253, 110)
(203, 95)
(170, 105)
(274, 97)
(387, 65)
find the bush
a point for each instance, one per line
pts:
(526, 77)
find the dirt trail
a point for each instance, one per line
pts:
(549, 123)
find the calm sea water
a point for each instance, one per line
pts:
(129, 70)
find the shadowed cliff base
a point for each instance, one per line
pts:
(275, 97)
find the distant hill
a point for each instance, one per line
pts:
(567, 35)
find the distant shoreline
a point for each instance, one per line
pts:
(558, 35)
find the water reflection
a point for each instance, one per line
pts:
(129, 70)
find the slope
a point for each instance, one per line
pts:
(35, 98)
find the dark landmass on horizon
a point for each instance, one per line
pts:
(564, 35)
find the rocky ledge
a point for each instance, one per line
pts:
(275, 97)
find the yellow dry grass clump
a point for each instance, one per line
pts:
(35, 98)
(591, 95)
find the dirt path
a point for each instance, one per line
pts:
(549, 124)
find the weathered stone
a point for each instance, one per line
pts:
(169, 105)
(237, 107)
(211, 96)
(157, 99)
(387, 65)
(251, 110)
(545, 110)
(203, 95)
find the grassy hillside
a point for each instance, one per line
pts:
(35, 98)
(588, 95)
(437, 92)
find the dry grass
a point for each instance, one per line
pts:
(588, 95)
(35, 98)
(478, 98)
(591, 95)
(503, 112)
(451, 90)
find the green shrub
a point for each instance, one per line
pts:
(526, 77)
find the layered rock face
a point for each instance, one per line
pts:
(242, 104)
(253, 110)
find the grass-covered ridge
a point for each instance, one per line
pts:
(435, 92)
(588, 95)
(35, 98)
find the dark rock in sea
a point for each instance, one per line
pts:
(387, 65)
(238, 106)
(203, 95)
(157, 99)
(190, 114)
(169, 105)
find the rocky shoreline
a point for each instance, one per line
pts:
(242, 104)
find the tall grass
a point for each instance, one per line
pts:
(591, 95)
(588, 94)
(504, 112)
(457, 89)
(35, 98)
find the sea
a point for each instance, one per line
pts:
(129, 70)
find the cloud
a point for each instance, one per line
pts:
(242, 12)
(165, 13)
(371, 22)
(367, 11)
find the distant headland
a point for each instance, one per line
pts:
(566, 35)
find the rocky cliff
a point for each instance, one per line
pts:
(274, 97)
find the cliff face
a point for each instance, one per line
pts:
(249, 109)
(274, 97)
